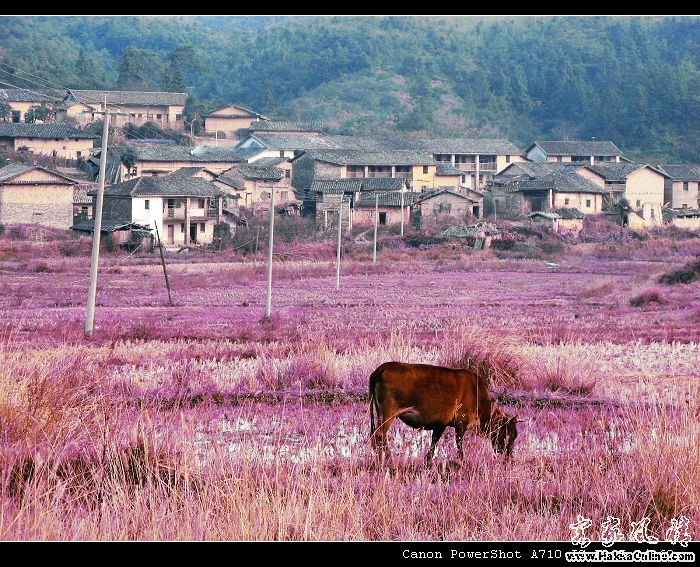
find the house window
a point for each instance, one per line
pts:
(147, 204)
(507, 159)
(84, 210)
(182, 227)
(653, 214)
(140, 116)
(178, 117)
(281, 153)
(77, 139)
(425, 169)
(287, 173)
(200, 203)
(159, 116)
(588, 203)
(558, 158)
(283, 195)
(566, 201)
(685, 205)
(78, 154)
(639, 203)
(685, 186)
(202, 227)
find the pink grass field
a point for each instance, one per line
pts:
(201, 421)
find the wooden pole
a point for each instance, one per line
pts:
(340, 234)
(95, 259)
(268, 301)
(257, 237)
(376, 223)
(162, 261)
(402, 211)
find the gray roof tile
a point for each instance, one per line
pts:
(373, 157)
(130, 97)
(250, 171)
(43, 131)
(578, 148)
(681, 172)
(278, 126)
(166, 186)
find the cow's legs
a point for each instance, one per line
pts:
(437, 433)
(379, 437)
(459, 437)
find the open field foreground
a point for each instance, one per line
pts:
(201, 421)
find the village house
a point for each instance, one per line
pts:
(546, 187)
(230, 119)
(688, 219)
(21, 100)
(183, 209)
(118, 234)
(588, 152)
(419, 168)
(682, 186)
(82, 202)
(162, 159)
(449, 176)
(126, 107)
(324, 195)
(54, 140)
(432, 207)
(277, 144)
(566, 219)
(388, 206)
(640, 184)
(33, 194)
(250, 186)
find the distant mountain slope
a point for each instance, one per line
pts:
(633, 80)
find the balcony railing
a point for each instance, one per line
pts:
(487, 166)
(379, 174)
(616, 187)
(356, 174)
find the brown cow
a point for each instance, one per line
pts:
(434, 398)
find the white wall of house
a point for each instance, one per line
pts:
(153, 216)
(587, 203)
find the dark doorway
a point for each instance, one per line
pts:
(193, 233)
(16, 115)
(382, 218)
(476, 211)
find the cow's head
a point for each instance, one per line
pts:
(503, 429)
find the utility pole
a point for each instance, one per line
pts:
(268, 302)
(402, 191)
(92, 288)
(340, 234)
(162, 261)
(376, 222)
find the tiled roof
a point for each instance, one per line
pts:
(681, 172)
(130, 97)
(536, 168)
(616, 171)
(373, 157)
(470, 146)
(231, 181)
(578, 148)
(669, 214)
(167, 186)
(274, 126)
(182, 153)
(186, 171)
(383, 183)
(336, 185)
(392, 199)
(550, 216)
(34, 95)
(267, 162)
(44, 131)
(569, 213)
(296, 141)
(430, 194)
(561, 182)
(249, 171)
(447, 169)
(10, 171)
(108, 225)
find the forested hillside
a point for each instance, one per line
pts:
(633, 80)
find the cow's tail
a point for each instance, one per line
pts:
(373, 405)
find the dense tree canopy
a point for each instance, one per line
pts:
(633, 80)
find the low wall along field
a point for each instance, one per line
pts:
(247, 429)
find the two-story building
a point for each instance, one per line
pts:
(251, 186)
(588, 152)
(184, 209)
(682, 186)
(417, 167)
(162, 159)
(53, 140)
(33, 194)
(21, 100)
(231, 119)
(166, 109)
(640, 184)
